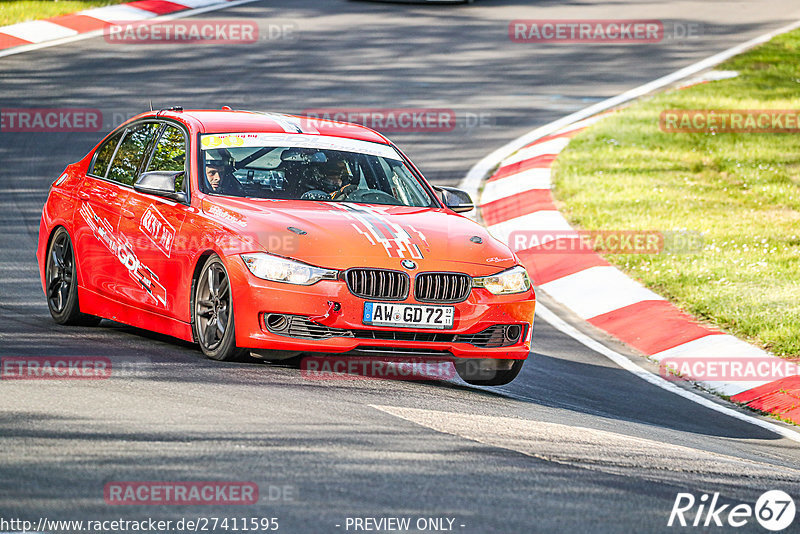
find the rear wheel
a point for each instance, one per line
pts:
(212, 314)
(487, 371)
(61, 277)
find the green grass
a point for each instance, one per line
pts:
(13, 11)
(742, 191)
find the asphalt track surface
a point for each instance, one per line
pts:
(574, 444)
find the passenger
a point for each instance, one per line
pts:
(221, 180)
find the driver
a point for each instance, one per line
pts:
(335, 177)
(331, 180)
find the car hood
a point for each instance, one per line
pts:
(344, 235)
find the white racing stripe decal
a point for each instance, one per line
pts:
(379, 230)
(290, 124)
(284, 122)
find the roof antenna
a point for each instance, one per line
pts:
(151, 104)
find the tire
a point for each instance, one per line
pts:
(61, 277)
(212, 313)
(487, 371)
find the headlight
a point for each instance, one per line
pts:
(513, 280)
(279, 269)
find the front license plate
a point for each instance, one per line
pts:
(408, 315)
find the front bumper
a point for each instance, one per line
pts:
(253, 298)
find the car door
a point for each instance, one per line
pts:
(96, 220)
(104, 255)
(151, 223)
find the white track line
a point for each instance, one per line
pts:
(625, 363)
(553, 146)
(726, 346)
(472, 181)
(479, 171)
(96, 33)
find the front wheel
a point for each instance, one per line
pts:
(487, 371)
(61, 276)
(212, 314)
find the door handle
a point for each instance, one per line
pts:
(128, 214)
(83, 195)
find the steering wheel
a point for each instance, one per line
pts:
(315, 194)
(342, 193)
(375, 196)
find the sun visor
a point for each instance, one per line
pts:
(258, 140)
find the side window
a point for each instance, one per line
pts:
(104, 155)
(130, 153)
(170, 154)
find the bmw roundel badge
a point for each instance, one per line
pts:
(408, 264)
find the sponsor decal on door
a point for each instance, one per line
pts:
(122, 249)
(155, 226)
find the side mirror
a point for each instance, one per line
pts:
(456, 199)
(160, 183)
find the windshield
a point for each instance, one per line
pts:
(302, 167)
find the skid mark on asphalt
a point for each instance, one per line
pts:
(598, 450)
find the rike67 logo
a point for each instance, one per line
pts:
(774, 510)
